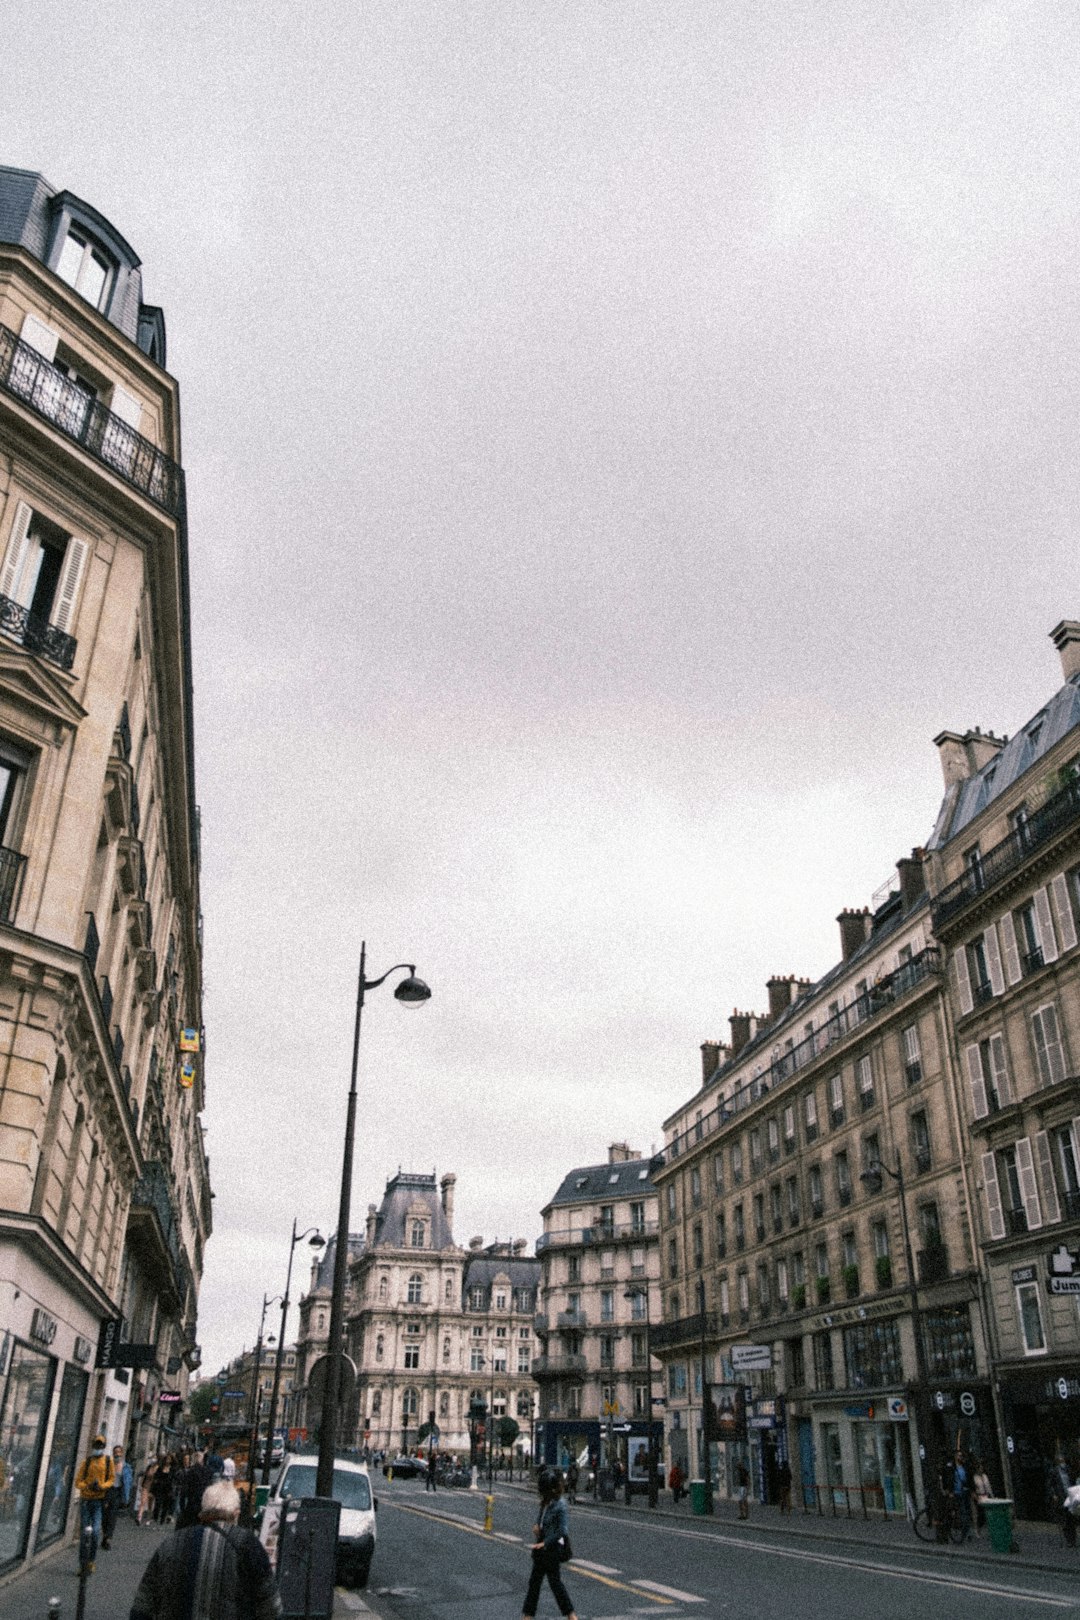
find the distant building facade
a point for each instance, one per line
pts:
(1005, 884)
(600, 1297)
(104, 1181)
(430, 1326)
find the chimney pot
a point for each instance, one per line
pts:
(854, 931)
(1066, 638)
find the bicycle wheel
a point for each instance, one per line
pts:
(924, 1526)
(956, 1529)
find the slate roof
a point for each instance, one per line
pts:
(1041, 733)
(482, 1268)
(324, 1276)
(403, 1191)
(600, 1182)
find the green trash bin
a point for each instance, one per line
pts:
(998, 1511)
(700, 1498)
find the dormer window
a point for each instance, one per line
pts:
(84, 266)
(416, 1235)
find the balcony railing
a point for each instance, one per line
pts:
(36, 634)
(1053, 817)
(686, 1330)
(559, 1367)
(1070, 1206)
(597, 1235)
(152, 1192)
(843, 1023)
(12, 868)
(30, 378)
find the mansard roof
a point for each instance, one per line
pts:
(592, 1183)
(407, 1194)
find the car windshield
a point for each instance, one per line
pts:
(351, 1490)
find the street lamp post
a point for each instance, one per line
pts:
(641, 1291)
(268, 1300)
(317, 1242)
(410, 992)
(872, 1177)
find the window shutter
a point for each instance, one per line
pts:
(993, 960)
(1066, 927)
(1009, 949)
(15, 555)
(1000, 1070)
(1046, 1172)
(126, 407)
(1046, 926)
(68, 589)
(979, 1104)
(1040, 1047)
(1029, 1190)
(992, 1192)
(39, 337)
(963, 980)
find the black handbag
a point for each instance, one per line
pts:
(566, 1552)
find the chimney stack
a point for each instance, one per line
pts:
(1066, 638)
(964, 753)
(743, 1029)
(713, 1053)
(620, 1153)
(448, 1183)
(912, 878)
(854, 931)
(781, 995)
(372, 1216)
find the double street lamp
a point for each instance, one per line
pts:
(317, 1242)
(641, 1291)
(411, 992)
(871, 1177)
(256, 1401)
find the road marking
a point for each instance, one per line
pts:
(668, 1591)
(505, 1535)
(600, 1569)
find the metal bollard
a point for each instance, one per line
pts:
(489, 1512)
(54, 1609)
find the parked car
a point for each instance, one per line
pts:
(352, 1488)
(404, 1467)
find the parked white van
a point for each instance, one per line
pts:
(352, 1488)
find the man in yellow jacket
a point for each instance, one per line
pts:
(94, 1480)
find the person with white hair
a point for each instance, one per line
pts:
(212, 1570)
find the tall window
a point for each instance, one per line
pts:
(695, 1187)
(637, 1217)
(85, 267)
(1048, 1051)
(789, 1128)
(736, 1161)
(1030, 1314)
(823, 1361)
(920, 1141)
(872, 1354)
(864, 1080)
(416, 1235)
(42, 571)
(810, 1114)
(909, 1039)
(412, 1355)
(836, 1099)
(607, 1305)
(416, 1288)
(718, 1173)
(843, 1178)
(817, 1195)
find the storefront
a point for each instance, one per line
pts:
(46, 1359)
(1042, 1423)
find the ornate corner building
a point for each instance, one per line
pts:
(104, 1185)
(431, 1326)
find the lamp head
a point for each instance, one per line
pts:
(871, 1177)
(317, 1241)
(412, 992)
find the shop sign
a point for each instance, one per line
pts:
(1023, 1274)
(944, 1400)
(751, 1357)
(83, 1350)
(1064, 1269)
(967, 1403)
(854, 1313)
(108, 1342)
(170, 1397)
(42, 1326)
(897, 1408)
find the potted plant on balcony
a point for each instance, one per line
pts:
(851, 1281)
(883, 1271)
(822, 1290)
(798, 1297)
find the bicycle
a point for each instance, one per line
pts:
(928, 1526)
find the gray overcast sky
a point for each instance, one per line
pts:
(619, 436)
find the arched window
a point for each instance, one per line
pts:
(524, 1404)
(416, 1236)
(416, 1288)
(410, 1403)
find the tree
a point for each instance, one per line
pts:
(506, 1431)
(200, 1402)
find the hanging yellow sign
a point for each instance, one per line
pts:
(187, 1072)
(189, 1040)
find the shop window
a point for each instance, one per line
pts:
(23, 1417)
(63, 1457)
(1029, 1311)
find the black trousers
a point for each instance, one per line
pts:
(545, 1563)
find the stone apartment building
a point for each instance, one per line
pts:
(822, 1148)
(600, 1299)
(104, 1185)
(1004, 869)
(430, 1325)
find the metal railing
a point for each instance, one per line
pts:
(880, 996)
(1059, 812)
(598, 1234)
(33, 380)
(36, 634)
(151, 1192)
(852, 1501)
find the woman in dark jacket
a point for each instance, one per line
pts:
(552, 1538)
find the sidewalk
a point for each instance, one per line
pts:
(1041, 1546)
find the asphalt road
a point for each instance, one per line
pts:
(434, 1560)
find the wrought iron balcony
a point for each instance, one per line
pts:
(598, 1234)
(12, 868)
(34, 381)
(36, 634)
(544, 1367)
(151, 1193)
(686, 1330)
(1043, 824)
